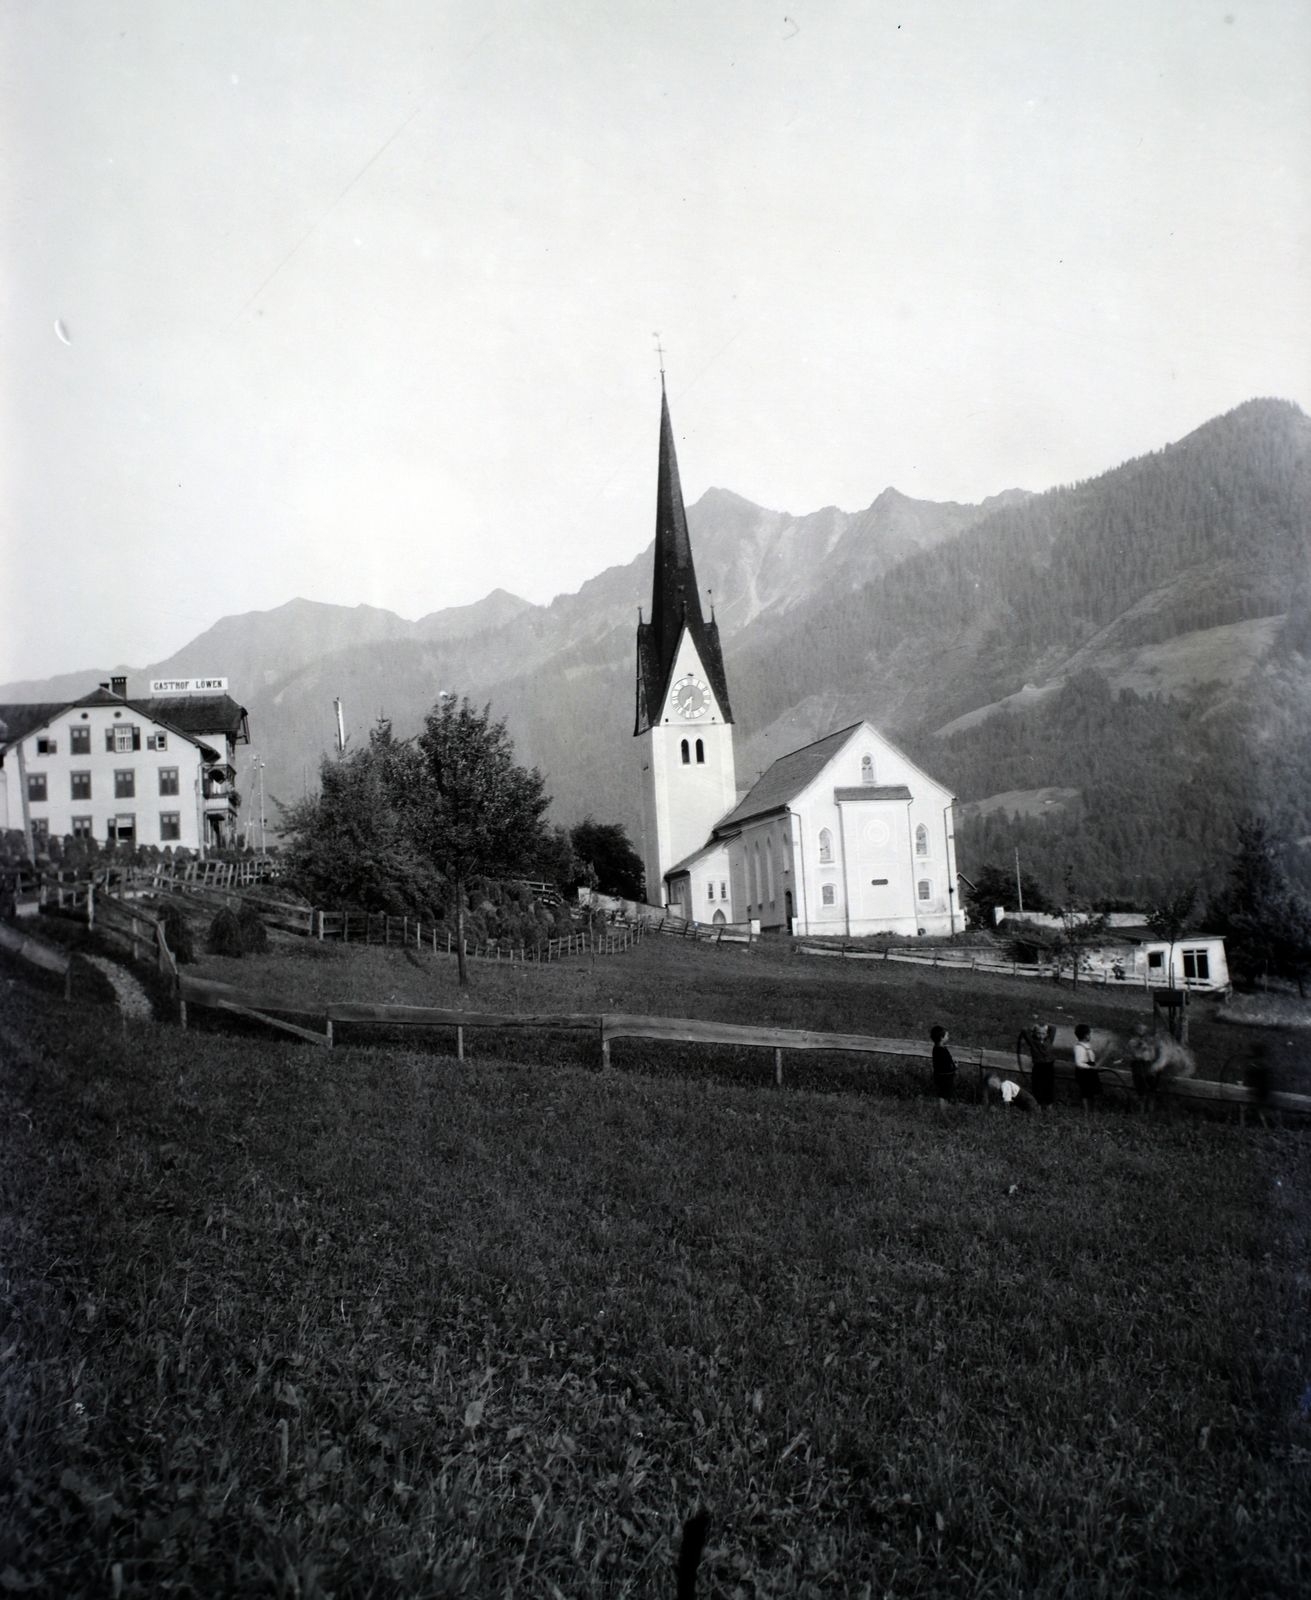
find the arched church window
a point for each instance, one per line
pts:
(769, 868)
(686, 754)
(925, 889)
(867, 769)
(825, 845)
(921, 840)
(700, 753)
(710, 891)
(826, 895)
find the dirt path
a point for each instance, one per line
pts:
(133, 1001)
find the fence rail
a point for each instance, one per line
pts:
(608, 1026)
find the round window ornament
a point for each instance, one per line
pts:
(877, 832)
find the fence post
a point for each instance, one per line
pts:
(327, 1028)
(459, 1044)
(778, 1068)
(320, 927)
(605, 1049)
(91, 904)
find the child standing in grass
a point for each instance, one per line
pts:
(1086, 1078)
(944, 1068)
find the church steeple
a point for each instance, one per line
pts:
(675, 597)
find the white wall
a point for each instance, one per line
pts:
(875, 840)
(146, 805)
(682, 802)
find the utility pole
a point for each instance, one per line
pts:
(1019, 892)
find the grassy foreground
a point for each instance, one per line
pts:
(369, 1322)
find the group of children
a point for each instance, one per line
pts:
(1040, 1041)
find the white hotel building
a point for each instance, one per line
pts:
(158, 771)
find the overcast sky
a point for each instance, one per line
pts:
(359, 298)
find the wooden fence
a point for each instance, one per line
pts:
(608, 1026)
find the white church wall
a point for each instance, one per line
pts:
(870, 855)
(683, 799)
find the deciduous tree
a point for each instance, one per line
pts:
(474, 811)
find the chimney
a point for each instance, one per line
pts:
(118, 686)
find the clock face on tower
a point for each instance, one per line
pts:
(691, 698)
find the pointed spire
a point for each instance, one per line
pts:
(675, 575)
(675, 593)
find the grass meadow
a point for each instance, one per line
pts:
(371, 1322)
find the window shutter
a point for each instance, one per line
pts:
(136, 737)
(109, 740)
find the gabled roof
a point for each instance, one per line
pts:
(199, 713)
(18, 719)
(780, 784)
(24, 719)
(675, 597)
(688, 862)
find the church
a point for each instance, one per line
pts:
(845, 836)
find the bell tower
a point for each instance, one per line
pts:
(684, 724)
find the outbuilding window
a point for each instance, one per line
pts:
(1197, 965)
(825, 845)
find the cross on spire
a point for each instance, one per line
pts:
(660, 353)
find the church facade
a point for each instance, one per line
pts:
(845, 836)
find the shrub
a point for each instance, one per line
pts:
(225, 935)
(177, 932)
(254, 935)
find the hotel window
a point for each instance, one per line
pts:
(687, 755)
(825, 845)
(123, 828)
(1197, 965)
(36, 786)
(122, 737)
(81, 827)
(925, 889)
(46, 746)
(125, 783)
(827, 895)
(79, 741)
(700, 753)
(170, 826)
(867, 769)
(40, 829)
(81, 785)
(156, 741)
(921, 840)
(168, 780)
